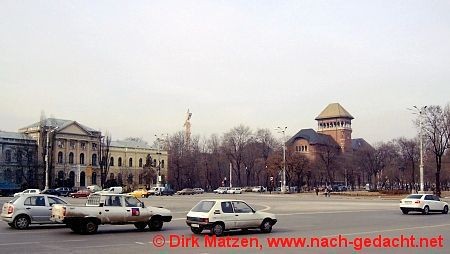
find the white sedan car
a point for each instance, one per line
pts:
(220, 215)
(27, 191)
(234, 190)
(424, 203)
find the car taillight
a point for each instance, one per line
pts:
(10, 209)
(417, 202)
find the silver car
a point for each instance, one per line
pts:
(24, 210)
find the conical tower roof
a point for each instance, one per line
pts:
(334, 110)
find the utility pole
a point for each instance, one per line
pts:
(420, 112)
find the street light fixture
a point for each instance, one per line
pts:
(47, 162)
(420, 111)
(283, 183)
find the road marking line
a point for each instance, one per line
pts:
(22, 243)
(102, 246)
(390, 230)
(328, 212)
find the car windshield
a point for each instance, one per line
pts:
(414, 197)
(203, 206)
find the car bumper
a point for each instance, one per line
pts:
(206, 225)
(7, 219)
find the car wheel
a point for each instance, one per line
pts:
(217, 229)
(155, 224)
(405, 211)
(90, 227)
(11, 225)
(445, 211)
(266, 226)
(426, 210)
(76, 228)
(21, 222)
(197, 231)
(140, 225)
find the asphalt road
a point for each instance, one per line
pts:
(329, 223)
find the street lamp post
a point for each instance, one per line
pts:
(420, 113)
(47, 162)
(158, 182)
(283, 183)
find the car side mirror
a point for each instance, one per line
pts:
(216, 211)
(101, 204)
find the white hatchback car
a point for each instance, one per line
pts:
(424, 203)
(219, 215)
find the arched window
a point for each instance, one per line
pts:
(60, 157)
(94, 178)
(18, 176)
(8, 174)
(140, 162)
(111, 161)
(119, 179)
(82, 179)
(70, 158)
(119, 162)
(19, 157)
(162, 163)
(130, 162)
(154, 163)
(8, 156)
(94, 159)
(82, 158)
(71, 179)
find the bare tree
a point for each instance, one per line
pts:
(436, 127)
(297, 165)
(233, 145)
(104, 150)
(409, 155)
(328, 155)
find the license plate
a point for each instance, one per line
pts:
(408, 202)
(194, 225)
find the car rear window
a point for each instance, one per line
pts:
(203, 206)
(414, 197)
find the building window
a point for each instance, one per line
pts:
(8, 174)
(130, 162)
(119, 162)
(154, 163)
(94, 159)
(83, 145)
(60, 157)
(94, 146)
(140, 162)
(30, 157)
(82, 158)
(72, 144)
(71, 158)
(111, 162)
(94, 178)
(306, 148)
(60, 144)
(8, 156)
(162, 163)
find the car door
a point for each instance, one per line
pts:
(50, 202)
(113, 210)
(439, 205)
(36, 208)
(227, 215)
(429, 200)
(134, 211)
(245, 217)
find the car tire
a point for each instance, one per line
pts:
(197, 231)
(426, 210)
(140, 225)
(405, 211)
(155, 224)
(90, 227)
(445, 211)
(266, 226)
(76, 228)
(21, 222)
(11, 225)
(217, 229)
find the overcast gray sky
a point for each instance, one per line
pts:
(135, 67)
